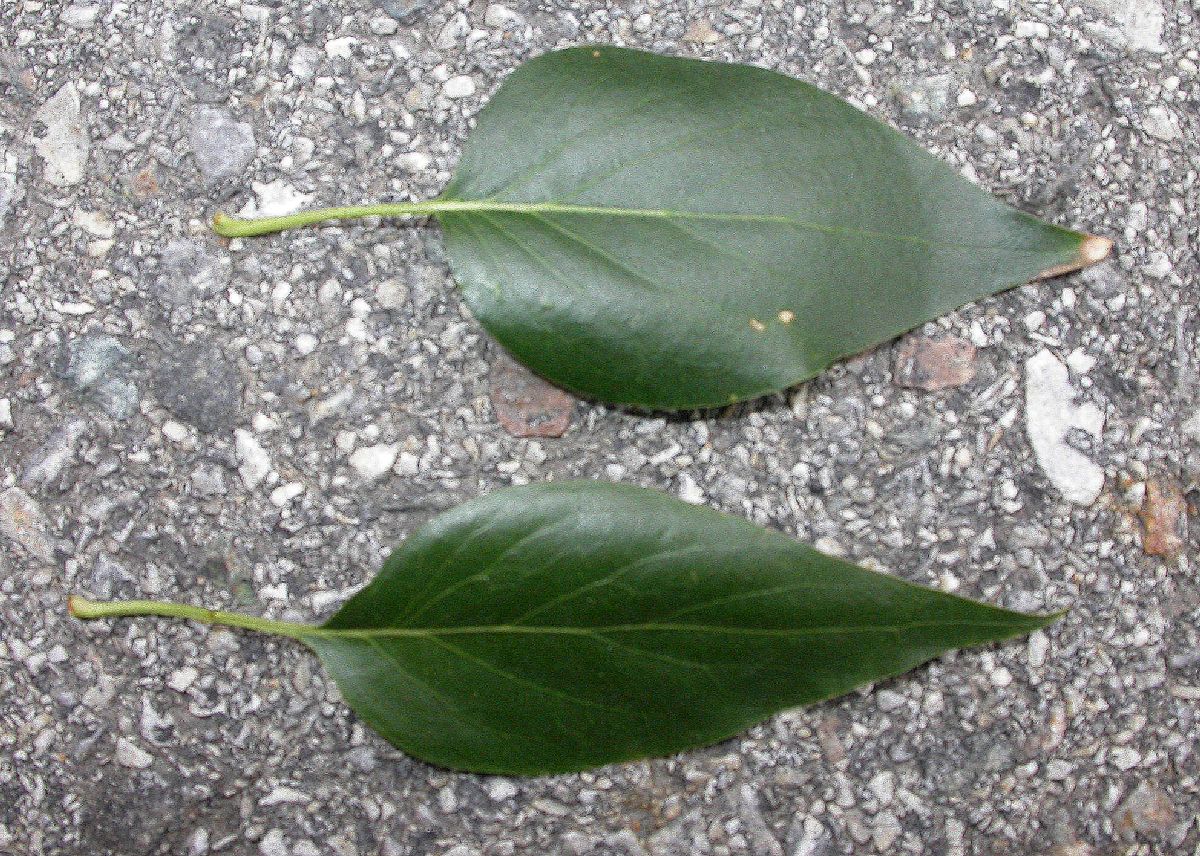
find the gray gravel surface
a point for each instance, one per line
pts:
(254, 424)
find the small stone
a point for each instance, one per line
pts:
(99, 365)
(22, 520)
(306, 343)
(499, 789)
(197, 842)
(274, 199)
(383, 26)
(934, 363)
(884, 831)
(460, 86)
(925, 97)
(255, 463)
(285, 493)
(689, 491)
(65, 145)
(1124, 758)
(889, 700)
(1038, 645)
(525, 404)
(273, 844)
(341, 47)
(131, 755)
(966, 98)
(1140, 22)
(181, 679)
(188, 272)
(701, 32)
(48, 462)
(1160, 123)
(371, 462)
(404, 11)
(222, 146)
(198, 382)
(6, 417)
(501, 16)
(1164, 518)
(883, 785)
(81, 16)
(208, 480)
(1050, 416)
(413, 161)
(1058, 770)
(391, 293)
(174, 431)
(95, 223)
(1147, 810)
(282, 794)
(1031, 30)
(866, 56)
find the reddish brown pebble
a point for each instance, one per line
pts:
(1164, 516)
(932, 364)
(526, 405)
(144, 183)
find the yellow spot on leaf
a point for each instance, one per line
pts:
(596, 53)
(786, 316)
(757, 325)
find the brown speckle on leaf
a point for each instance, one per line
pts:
(1164, 516)
(934, 363)
(526, 405)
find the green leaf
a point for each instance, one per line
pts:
(562, 626)
(674, 233)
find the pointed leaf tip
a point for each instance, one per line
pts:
(1092, 249)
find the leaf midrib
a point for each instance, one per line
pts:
(535, 209)
(593, 630)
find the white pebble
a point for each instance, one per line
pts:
(285, 493)
(461, 86)
(174, 432)
(371, 462)
(689, 491)
(273, 844)
(255, 463)
(1124, 758)
(1038, 645)
(966, 98)
(181, 679)
(1031, 30)
(130, 755)
(306, 343)
(413, 161)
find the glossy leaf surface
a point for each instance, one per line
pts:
(674, 233)
(563, 626)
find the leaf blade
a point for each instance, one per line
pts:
(743, 198)
(559, 627)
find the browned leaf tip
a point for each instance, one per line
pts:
(1092, 249)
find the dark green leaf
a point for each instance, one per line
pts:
(673, 233)
(563, 626)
